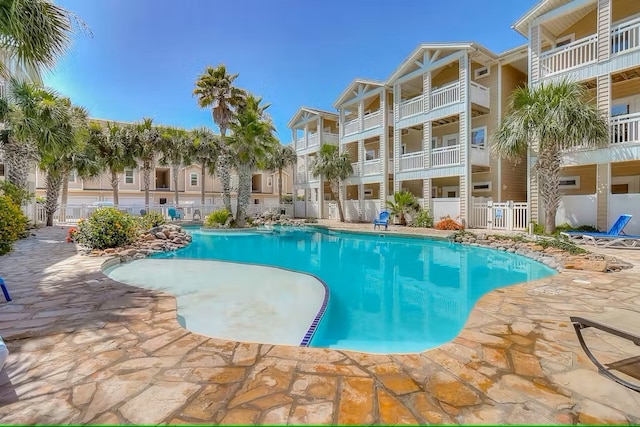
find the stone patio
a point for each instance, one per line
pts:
(86, 349)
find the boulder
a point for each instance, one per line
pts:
(161, 236)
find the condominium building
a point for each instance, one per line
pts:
(596, 42)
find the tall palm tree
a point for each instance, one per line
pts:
(252, 142)
(174, 147)
(215, 89)
(550, 119)
(204, 150)
(147, 143)
(283, 157)
(333, 167)
(34, 33)
(113, 146)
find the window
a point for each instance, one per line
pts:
(481, 72)
(619, 109)
(450, 140)
(269, 181)
(370, 154)
(434, 142)
(163, 200)
(368, 192)
(569, 182)
(563, 41)
(73, 175)
(404, 149)
(128, 176)
(482, 186)
(479, 137)
(193, 178)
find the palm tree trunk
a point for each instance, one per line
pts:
(224, 167)
(175, 183)
(18, 156)
(548, 168)
(54, 182)
(244, 193)
(202, 176)
(280, 186)
(146, 169)
(335, 192)
(64, 196)
(114, 185)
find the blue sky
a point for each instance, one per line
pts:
(145, 55)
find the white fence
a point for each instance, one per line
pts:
(625, 204)
(443, 207)
(509, 216)
(577, 210)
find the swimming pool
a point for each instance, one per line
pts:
(387, 294)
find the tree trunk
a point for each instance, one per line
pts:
(175, 183)
(225, 170)
(146, 169)
(64, 196)
(335, 192)
(202, 176)
(244, 194)
(18, 156)
(548, 176)
(403, 219)
(114, 185)
(53, 191)
(280, 186)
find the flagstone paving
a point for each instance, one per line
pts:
(86, 349)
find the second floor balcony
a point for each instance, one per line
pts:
(369, 121)
(443, 96)
(312, 140)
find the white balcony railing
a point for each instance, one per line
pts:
(625, 36)
(330, 138)
(372, 167)
(351, 127)
(300, 144)
(301, 178)
(411, 161)
(625, 128)
(480, 95)
(372, 120)
(572, 55)
(314, 139)
(479, 155)
(411, 107)
(445, 156)
(356, 169)
(445, 95)
(312, 178)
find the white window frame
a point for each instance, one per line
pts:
(569, 186)
(447, 188)
(367, 192)
(455, 136)
(482, 183)
(569, 37)
(191, 175)
(434, 142)
(371, 151)
(73, 174)
(484, 145)
(133, 176)
(477, 72)
(632, 181)
(269, 181)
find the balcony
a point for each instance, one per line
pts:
(312, 178)
(370, 121)
(625, 128)
(624, 37)
(444, 96)
(479, 155)
(301, 178)
(411, 161)
(356, 169)
(372, 167)
(314, 140)
(445, 156)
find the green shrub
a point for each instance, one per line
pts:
(15, 193)
(217, 218)
(150, 220)
(423, 219)
(12, 223)
(107, 228)
(561, 244)
(538, 229)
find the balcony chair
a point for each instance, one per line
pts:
(383, 219)
(619, 322)
(174, 214)
(614, 238)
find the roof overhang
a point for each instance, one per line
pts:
(546, 10)
(353, 88)
(311, 111)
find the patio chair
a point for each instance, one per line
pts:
(619, 322)
(174, 214)
(143, 212)
(615, 230)
(5, 291)
(383, 219)
(197, 215)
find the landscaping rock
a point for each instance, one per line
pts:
(161, 236)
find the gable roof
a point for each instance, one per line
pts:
(539, 9)
(353, 86)
(418, 53)
(324, 113)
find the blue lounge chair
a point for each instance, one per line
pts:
(383, 219)
(173, 214)
(5, 291)
(615, 237)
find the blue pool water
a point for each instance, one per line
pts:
(387, 294)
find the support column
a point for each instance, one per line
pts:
(320, 131)
(360, 201)
(534, 54)
(426, 195)
(602, 195)
(361, 156)
(360, 115)
(604, 29)
(397, 137)
(306, 135)
(384, 152)
(464, 137)
(294, 138)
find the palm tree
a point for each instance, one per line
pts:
(215, 89)
(174, 146)
(113, 147)
(251, 143)
(283, 157)
(549, 119)
(35, 33)
(147, 142)
(403, 203)
(333, 167)
(204, 150)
